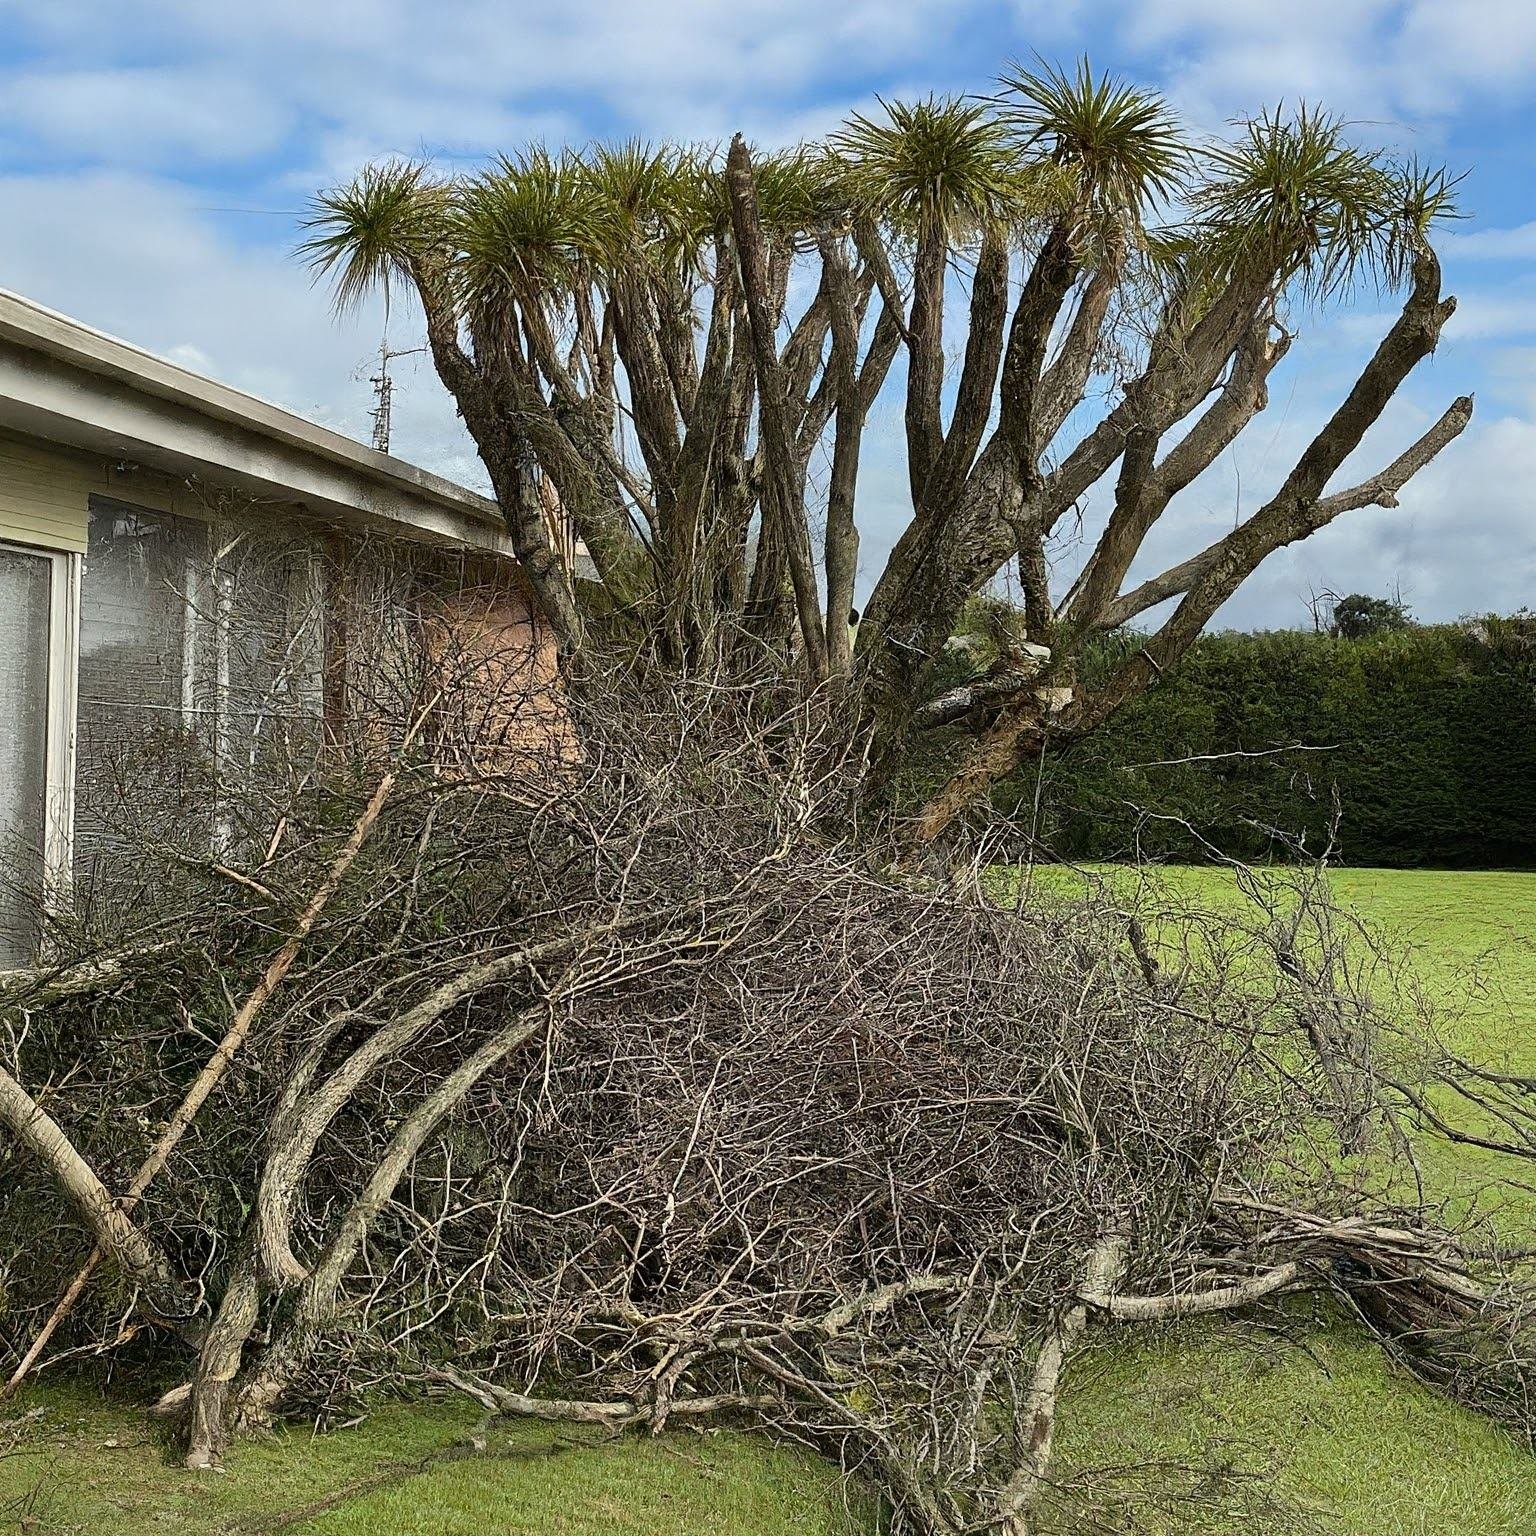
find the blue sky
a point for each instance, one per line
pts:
(154, 158)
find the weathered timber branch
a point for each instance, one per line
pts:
(1038, 1420)
(782, 498)
(1380, 490)
(1123, 1308)
(115, 1231)
(234, 1037)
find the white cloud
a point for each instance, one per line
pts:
(1471, 44)
(256, 105)
(1391, 66)
(142, 117)
(1494, 315)
(1463, 540)
(396, 70)
(400, 70)
(132, 255)
(1518, 244)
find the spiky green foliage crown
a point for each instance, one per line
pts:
(1290, 196)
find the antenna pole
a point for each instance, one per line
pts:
(384, 391)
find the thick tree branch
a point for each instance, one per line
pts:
(1144, 492)
(1380, 490)
(1295, 511)
(925, 357)
(114, 1230)
(1067, 374)
(1105, 1265)
(506, 454)
(978, 376)
(782, 501)
(1123, 1308)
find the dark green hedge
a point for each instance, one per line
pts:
(1430, 738)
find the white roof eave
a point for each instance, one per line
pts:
(68, 383)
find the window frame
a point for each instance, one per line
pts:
(65, 568)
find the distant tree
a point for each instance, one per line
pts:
(1357, 615)
(662, 343)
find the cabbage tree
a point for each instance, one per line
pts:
(675, 354)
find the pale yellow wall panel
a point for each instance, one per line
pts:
(43, 495)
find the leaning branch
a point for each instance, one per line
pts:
(499, 1400)
(116, 1235)
(773, 406)
(1381, 490)
(1105, 1265)
(1162, 1309)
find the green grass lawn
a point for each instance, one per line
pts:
(1469, 936)
(1316, 1411)
(86, 1465)
(1336, 1428)
(1466, 941)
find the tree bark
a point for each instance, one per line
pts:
(128, 1247)
(1106, 1263)
(781, 497)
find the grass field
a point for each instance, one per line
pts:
(1336, 1429)
(1331, 1427)
(89, 1466)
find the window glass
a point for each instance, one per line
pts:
(268, 648)
(24, 612)
(144, 701)
(200, 678)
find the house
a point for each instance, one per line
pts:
(197, 583)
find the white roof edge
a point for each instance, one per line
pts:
(26, 323)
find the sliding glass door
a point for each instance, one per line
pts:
(36, 666)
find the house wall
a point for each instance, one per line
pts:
(45, 492)
(43, 496)
(63, 383)
(494, 661)
(502, 709)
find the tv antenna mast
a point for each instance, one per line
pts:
(384, 391)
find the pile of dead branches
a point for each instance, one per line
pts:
(628, 1088)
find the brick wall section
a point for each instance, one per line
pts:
(502, 710)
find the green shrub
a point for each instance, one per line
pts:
(1424, 736)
